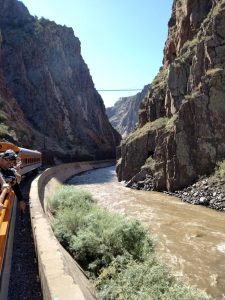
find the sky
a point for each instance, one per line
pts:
(122, 41)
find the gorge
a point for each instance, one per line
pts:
(49, 102)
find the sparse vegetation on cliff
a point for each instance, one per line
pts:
(117, 252)
(150, 126)
(188, 49)
(160, 79)
(149, 164)
(171, 121)
(38, 26)
(220, 170)
(4, 129)
(214, 71)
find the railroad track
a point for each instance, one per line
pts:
(22, 282)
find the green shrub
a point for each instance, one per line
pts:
(4, 129)
(160, 78)
(114, 250)
(180, 291)
(220, 170)
(69, 197)
(62, 233)
(126, 279)
(104, 236)
(94, 236)
(149, 164)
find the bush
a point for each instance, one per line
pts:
(94, 236)
(149, 164)
(4, 129)
(116, 251)
(126, 279)
(69, 197)
(104, 236)
(220, 170)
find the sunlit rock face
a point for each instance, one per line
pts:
(46, 74)
(124, 114)
(181, 128)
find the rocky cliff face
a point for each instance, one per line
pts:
(124, 114)
(13, 126)
(43, 68)
(181, 131)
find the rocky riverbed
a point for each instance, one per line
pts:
(208, 191)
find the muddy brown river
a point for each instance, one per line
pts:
(190, 238)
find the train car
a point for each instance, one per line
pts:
(30, 159)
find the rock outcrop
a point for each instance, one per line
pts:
(13, 126)
(181, 130)
(45, 73)
(124, 114)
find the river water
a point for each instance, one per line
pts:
(191, 238)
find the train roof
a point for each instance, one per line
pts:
(6, 146)
(29, 151)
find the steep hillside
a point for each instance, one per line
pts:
(13, 126)
(181, 130)
(124, 114)
(45, 73)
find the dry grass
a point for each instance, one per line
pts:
(160, 79)
(150, 126)
(213, 72)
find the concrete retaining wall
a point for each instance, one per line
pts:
(61, 277)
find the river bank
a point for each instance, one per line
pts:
(207, 191)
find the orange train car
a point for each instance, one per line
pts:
(30, 159)
(5, 219)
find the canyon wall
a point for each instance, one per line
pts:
(181, 128)
(44, 72)
(124, 114)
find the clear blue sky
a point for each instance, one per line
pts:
(122, 41)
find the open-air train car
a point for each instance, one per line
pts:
(30, 159)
